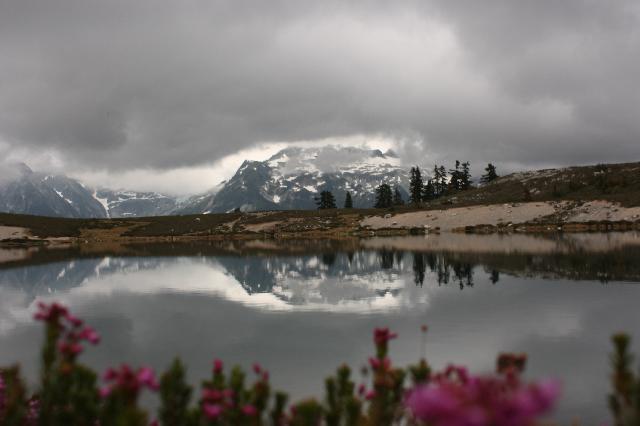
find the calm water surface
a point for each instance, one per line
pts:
(304, 308)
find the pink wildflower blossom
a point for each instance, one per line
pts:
(217, 366)
(383, 364)
(50, 313)
(34, 412)
(362, 389)
(212, 395)
(90, 335)
(249, 410)
(126, 380)
(458, 399)
(383, 335)
(2, 393)
(212, 411)
(147, 377)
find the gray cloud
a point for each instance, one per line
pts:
(165, 84)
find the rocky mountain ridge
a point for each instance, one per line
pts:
(293, 177)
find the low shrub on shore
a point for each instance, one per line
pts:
(70, 393)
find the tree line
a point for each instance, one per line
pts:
(441, 182)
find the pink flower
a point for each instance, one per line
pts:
(456, 398)
(147, 377)
(50, 313)
(249, 410)
(382, 336)
(212, 411)
(105, 391)
(377, 363)
(126, 380)
(90, 335)
(212, 395)
(217, 366)
(70, 348)
(362, 389)
(257, 368)
(74, 320)
(110, 374)
(370, 395)
(34, 412)
(3, 389)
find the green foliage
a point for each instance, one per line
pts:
(428, 191)
(13, 401)
(348, 202)
(460, 176)
(397, 197)
(307, 413)
(175, 396)
(439, 181)
(343, 407)
(415, 186)
(490, 174)
(326, 200)
(384, 196)
(624, 401)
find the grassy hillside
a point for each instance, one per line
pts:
(614, 182)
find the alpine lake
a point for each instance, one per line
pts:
(302, 308)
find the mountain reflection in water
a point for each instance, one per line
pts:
(343, 272)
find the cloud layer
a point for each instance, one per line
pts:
(160, 84)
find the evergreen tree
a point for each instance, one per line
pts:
(455, 182)
(443, 181)
(348, 203)
(439, 180)
(415, 186)
(435, 181)
(384, 196)
(397, 197)
(490, 174)
(465, 176)
(428, 192)
(325, 201)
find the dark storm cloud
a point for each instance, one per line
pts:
(125, 84)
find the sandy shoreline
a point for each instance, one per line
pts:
(13, 232)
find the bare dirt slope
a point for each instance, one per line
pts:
(504, 214)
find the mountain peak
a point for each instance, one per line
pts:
(24, 169)
(292, 178)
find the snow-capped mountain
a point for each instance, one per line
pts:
(25, 191)
(134, 204)
(292, 178)
(30, 192)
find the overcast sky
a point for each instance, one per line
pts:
(162, 91)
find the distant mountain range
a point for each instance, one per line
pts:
(35, 193)
(290, 179)
(24, 191)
